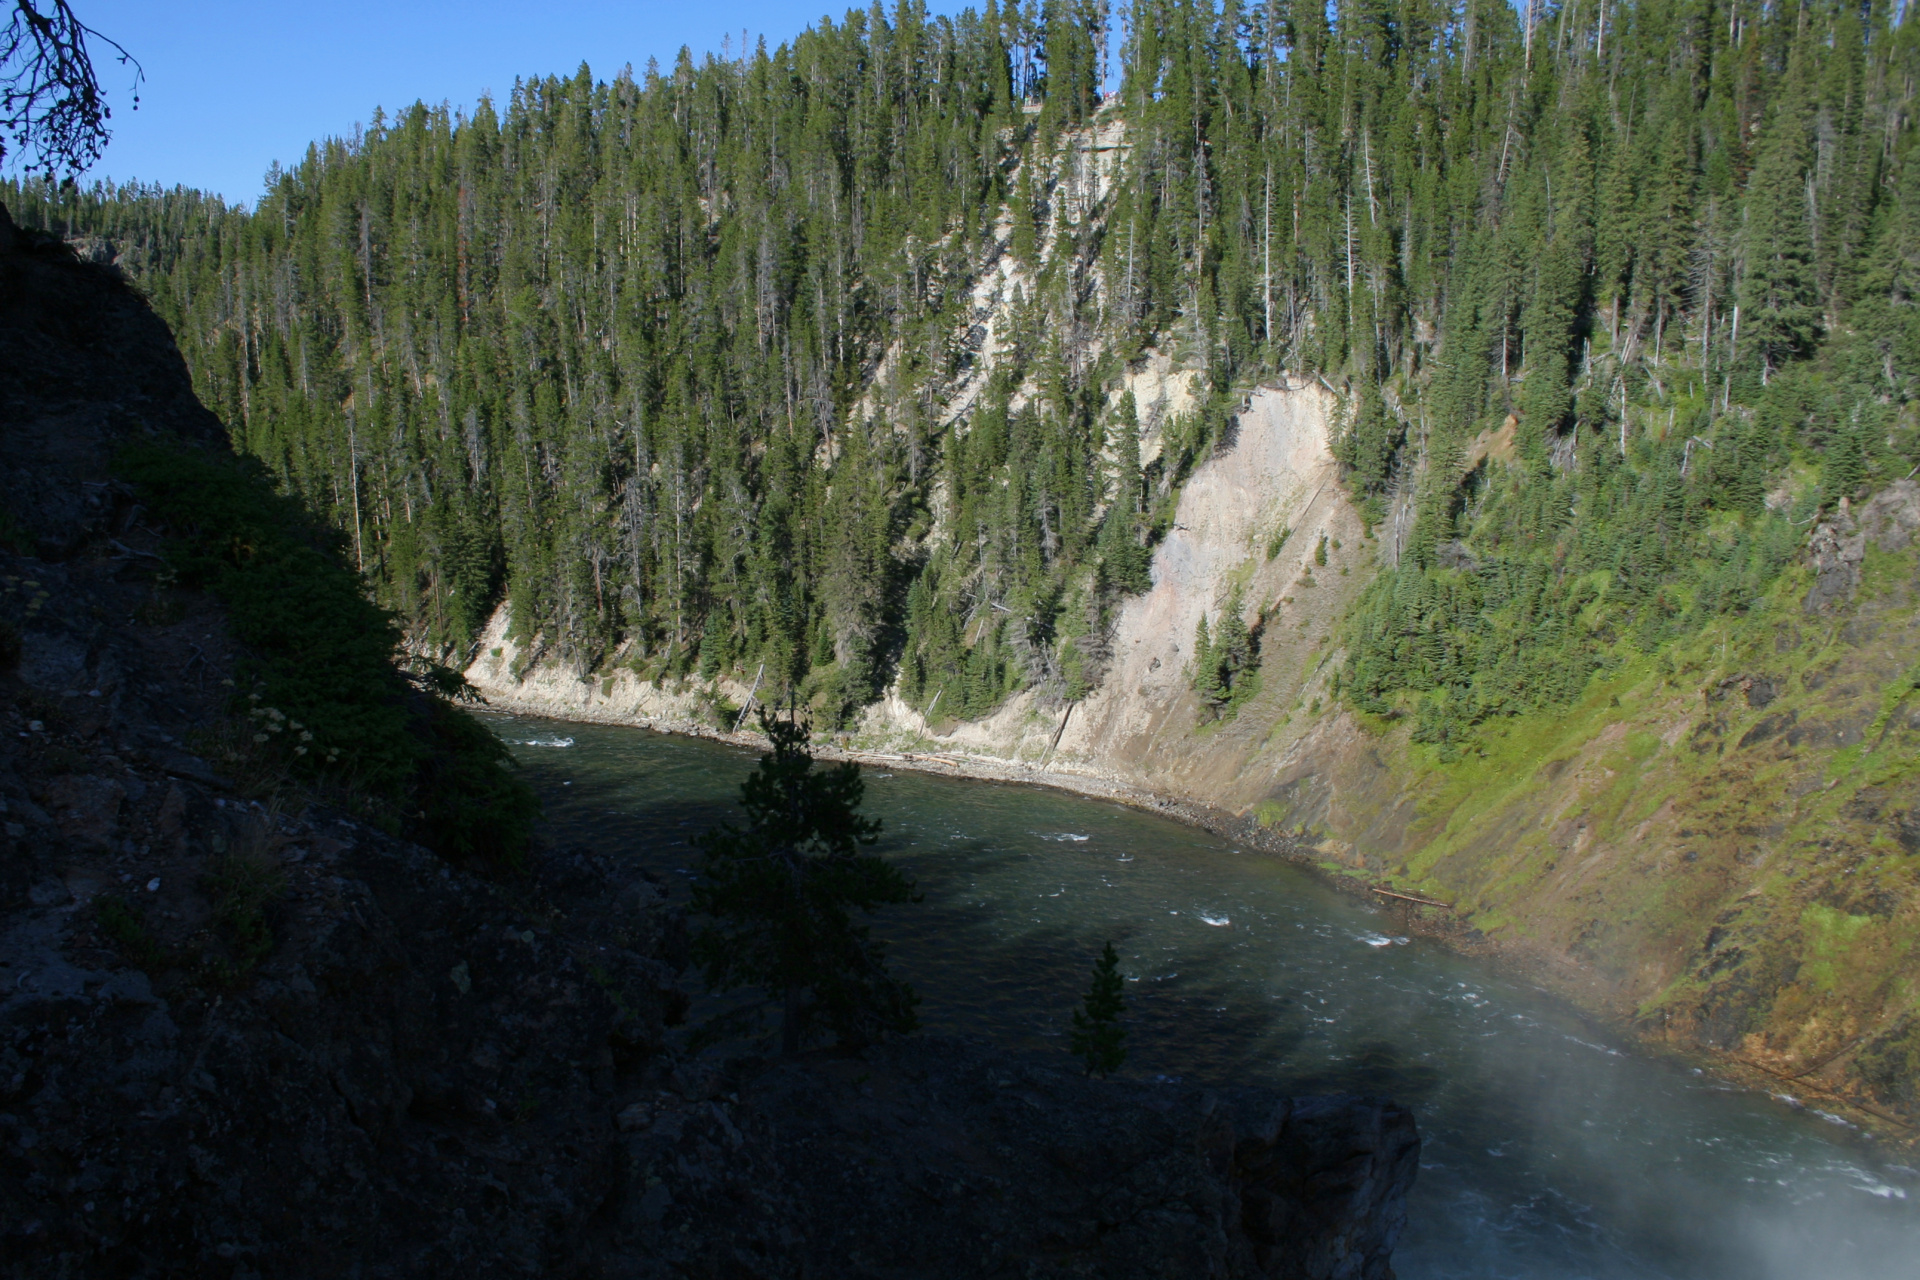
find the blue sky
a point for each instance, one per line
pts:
(232, 87)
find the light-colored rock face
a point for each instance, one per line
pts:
(1161, 393)
(1079, 177)
(509, 677)
(1279, 474)
(1891, 517)
(1141, 726)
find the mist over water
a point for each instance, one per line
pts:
(1550, 1149)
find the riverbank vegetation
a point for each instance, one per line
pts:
(319, 697)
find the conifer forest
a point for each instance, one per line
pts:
(807, 360)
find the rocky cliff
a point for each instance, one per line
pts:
(246, 1031)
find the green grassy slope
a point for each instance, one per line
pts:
(1720, 839)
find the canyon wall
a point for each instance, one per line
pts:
(1715, 845)
(246, 1029)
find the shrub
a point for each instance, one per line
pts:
(243, 884)
(1891, 1064)
(320, 656)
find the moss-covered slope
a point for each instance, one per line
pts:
(1720, 841)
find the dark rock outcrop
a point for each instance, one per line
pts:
(944, 1158)
(1837, 547)
(87, 365)
(1834, 551)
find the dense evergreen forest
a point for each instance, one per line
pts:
(690, 368)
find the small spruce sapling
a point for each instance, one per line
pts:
(1206, 676)
(1097, 1032)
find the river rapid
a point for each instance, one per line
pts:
(1550, 1148)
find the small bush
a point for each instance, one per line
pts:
(163, 606)
(243, 884)
(714, 710)
(13, 535)
(126, 927)
(472, 806)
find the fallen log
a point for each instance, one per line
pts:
(1407, 897)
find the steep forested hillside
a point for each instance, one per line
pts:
(691, 367)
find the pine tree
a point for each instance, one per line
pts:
(1234, 644)
(1207, 677)
(1846, 466)
(1097, 1034)
(1779, 289)
(779, 892)
(1125, 562)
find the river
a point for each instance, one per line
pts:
(1551, 1149)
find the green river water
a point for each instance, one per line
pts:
(1550, 1150)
